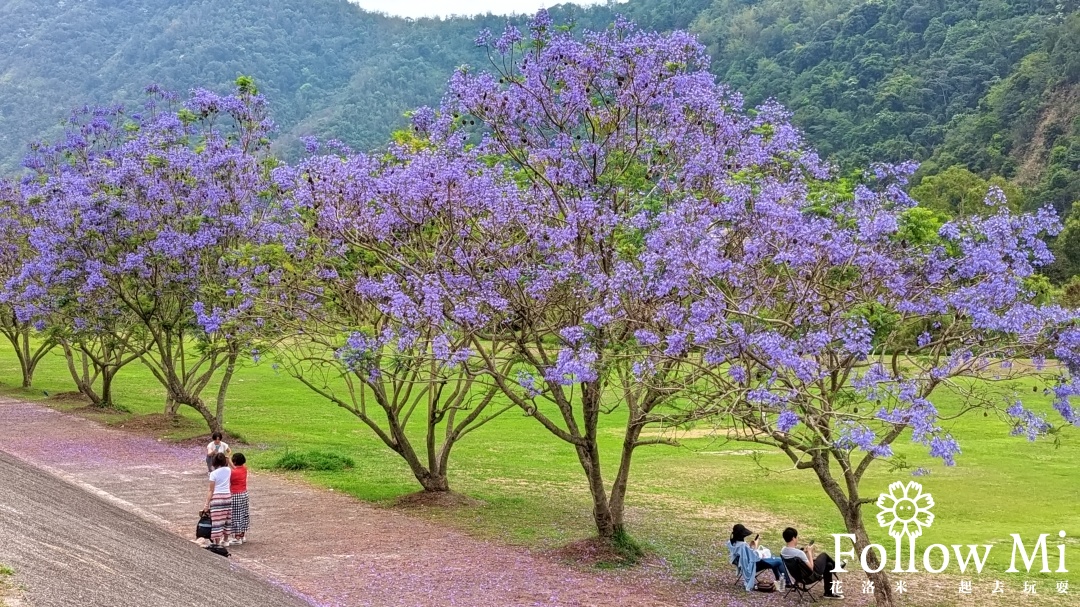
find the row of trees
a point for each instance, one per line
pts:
(593, 225)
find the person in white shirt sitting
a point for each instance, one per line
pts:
(822, 564)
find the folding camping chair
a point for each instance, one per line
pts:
(803, 578)
(738, 581)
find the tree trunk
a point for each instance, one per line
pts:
(28, 360)
(25, 360)
(172, 406)
(434, 482)
(622, 479)
(230, 367)
(853, 521)
(851, 510)
(19, 336)
(107, 375)
(431, 479)
(589, 455)
(81, 376)
(212, 421)
(27, 376)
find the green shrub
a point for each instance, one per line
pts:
(313, 460)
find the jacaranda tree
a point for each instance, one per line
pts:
(413, 384)
(97, 337)
(828, 323)
(18, 323)
(168, 215)
(517, 228)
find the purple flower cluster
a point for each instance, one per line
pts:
(852, 435)
(787, 421)
(1027, 422)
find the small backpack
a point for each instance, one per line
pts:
(202, 530)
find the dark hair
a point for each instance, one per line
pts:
(220, 460)
(238, 459)
(789, 534)
(738, 533)
(215, 436)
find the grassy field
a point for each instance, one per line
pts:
(683, 500)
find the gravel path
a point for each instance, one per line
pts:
(329, 547)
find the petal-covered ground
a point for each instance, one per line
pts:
(329, 547)
(63, 546)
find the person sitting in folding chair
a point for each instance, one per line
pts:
(750, 559)
(817, 567)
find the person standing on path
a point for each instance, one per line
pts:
(219, 500)
(215, 446)
(238, 488)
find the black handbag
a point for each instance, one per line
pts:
(216, 549)
(202, 530)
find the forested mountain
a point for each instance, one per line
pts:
(980, 90)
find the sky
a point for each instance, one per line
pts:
(444, 8)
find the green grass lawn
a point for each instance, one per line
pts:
(683, 500)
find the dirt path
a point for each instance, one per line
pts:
(329, 547)
(70, 547)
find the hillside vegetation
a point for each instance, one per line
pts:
(982, 91)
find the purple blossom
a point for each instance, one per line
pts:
(529, 383)
(510, 36)
(423, 119)
(945, 448)
(573, 366)
(787, 420)
(541, 21)
(738, 373)
(646, 338)
(209, 321)
(1027, 422)
(857, 436)
(573, 335)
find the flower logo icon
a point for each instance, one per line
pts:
(905, 510)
